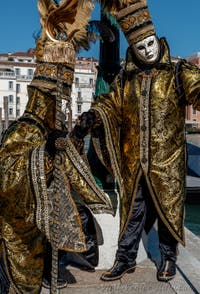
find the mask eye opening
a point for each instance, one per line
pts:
(140, 47)
(150, 43)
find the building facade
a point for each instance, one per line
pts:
(83, 88)
(192, 115)
(16, 73)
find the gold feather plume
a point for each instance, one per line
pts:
(45, 7)
(57, 19)
(66, 21)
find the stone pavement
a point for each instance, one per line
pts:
(143, 280)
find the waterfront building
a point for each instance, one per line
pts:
(16, 73)
(193, 115)
(83, 88)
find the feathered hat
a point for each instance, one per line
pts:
(133, 17)
(64, 32)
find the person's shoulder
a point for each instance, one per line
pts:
(187, 65)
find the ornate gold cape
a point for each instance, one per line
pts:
(27, 206)
(143, 120)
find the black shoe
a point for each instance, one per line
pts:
(65, 277)
(167, 271)
(60, 284)
(118, 270)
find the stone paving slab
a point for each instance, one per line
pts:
(143, 280)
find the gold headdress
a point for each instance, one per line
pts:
(63, 29)
(64, 32)
(133, 17)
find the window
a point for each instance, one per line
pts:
(10, 111)
(76, 81)
(79, 94)
(194, 111)
(10, 85)
(91, 82)
(17, 71)
(18, 112)
(18, 100)
(79, 98)
(18, 88)
(10, 98)
(79, 108)
(30, 71)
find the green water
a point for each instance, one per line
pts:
(192, 218)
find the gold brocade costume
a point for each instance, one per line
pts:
(33, 208)
(23, 241)
(21, 205)
(143, 118)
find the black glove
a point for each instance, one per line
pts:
(50, 146)
(86, 121)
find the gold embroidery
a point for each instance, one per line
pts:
(144, 123)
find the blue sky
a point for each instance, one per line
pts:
(177, 20)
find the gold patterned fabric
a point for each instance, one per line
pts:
(27, 216)
(143, 119)
(74, 174)
(27, 206)
(24, 244)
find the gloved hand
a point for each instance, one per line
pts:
(85, 122)
(54, 136)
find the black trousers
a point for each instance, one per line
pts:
(143, 217)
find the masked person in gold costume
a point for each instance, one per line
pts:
(139, 135)
(38, 169)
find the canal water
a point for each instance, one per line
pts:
(192, 218)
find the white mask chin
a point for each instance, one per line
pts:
(147, 50)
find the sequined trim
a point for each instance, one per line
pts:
(39, 184)
(54, 204)
(84, 170)
(144, 123)
(110, 147)
(96, 143)
(51, 71)
(145, 118)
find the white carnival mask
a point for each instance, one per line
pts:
(147, 50)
